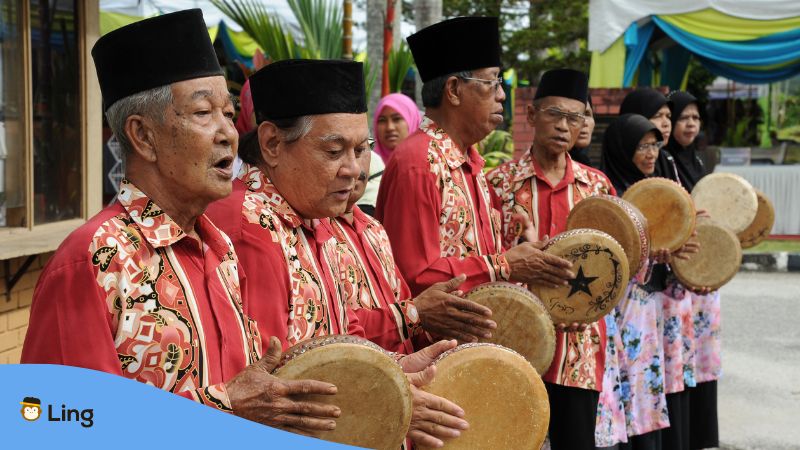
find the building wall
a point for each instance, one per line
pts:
(15, 311)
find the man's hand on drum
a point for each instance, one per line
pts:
(434, 418)
(257, 395)
(443, 312)
(529, 264)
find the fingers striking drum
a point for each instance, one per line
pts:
(523, 323)
(373, 392)
(668, 208)
(717, 261)
(503, 398)
(621, 220)
(601, 275)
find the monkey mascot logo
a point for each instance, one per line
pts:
(31, 408)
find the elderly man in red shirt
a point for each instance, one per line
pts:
(312, 132)
(434, 200)
(540, 189)
(149, 288)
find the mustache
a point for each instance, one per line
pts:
(362, 176)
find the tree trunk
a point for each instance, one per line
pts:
(347, 29)
(426, 13)
(375, 26)
(388, 40)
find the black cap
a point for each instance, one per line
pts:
(300, 87)
(455, 45)
(31, 400)
(644, 101)
(154, 52)
(565, 83)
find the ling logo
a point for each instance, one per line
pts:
(31, 408)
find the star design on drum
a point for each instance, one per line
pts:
(580, 283)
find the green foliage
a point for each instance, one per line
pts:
(400, 62)
(320, 25)
(370, 74)
(699, 80)
(555, 34)
(737, 136)
(496, 148)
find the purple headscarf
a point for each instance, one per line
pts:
(406, 108)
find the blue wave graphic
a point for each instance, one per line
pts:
(124, 413)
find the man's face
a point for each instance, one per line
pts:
(317, 173)
(361, 181)
(553, 132)
(482, 104)
(196, 143)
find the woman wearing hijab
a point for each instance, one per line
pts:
(396, 117)
(653, 105)
(580, 152)
(704, 432)
(631, 146)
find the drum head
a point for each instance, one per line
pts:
(762, 224)
(602, 275)
(717, 261)
(523, 323)
(620, 220)
(669, 211)
(729, 199)
(503, 398)
(373, 392)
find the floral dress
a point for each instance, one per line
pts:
(679, 345)
(706, 315)
(641, 361)
(610, 423)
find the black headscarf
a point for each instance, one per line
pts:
(619, 145)
(646, 102)
(582, 154)
(690, 167)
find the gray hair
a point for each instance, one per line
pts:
(291, 130)
(433, 90)
(150, 103)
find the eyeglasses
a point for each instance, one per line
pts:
(371, 143)
(649, 147)
(574, 120)
(497, 82)
(693, 117)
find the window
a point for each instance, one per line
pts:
(50, 121)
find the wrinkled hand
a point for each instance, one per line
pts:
(526, 232)
(434, 418)
(444, 313)
(257, 395)
(574, 327)
(529, 264)
(420, 360)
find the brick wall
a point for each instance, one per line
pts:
(15, 310)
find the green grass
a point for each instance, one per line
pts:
(775, 245)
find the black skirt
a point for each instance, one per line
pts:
(676, 437)
(573, 414)
(704, 432)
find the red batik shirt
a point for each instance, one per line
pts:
(370, 282)
(130, 293)
(291, 291)
(436, 207)
(520, 187)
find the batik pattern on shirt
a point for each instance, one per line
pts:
(707, 333)
(458, 220)
(159, 335)
(309, 312)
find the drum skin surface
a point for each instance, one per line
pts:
(602, 275)
(729, 199)
(373, 393)
(523, 323)
(762, 225)
(618, 218)
(668, 208)
(503, 398)
(717, 261)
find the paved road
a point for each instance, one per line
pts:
(759, 394)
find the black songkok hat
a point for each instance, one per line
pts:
(154, 52)
(299, 87)
(455, 45)
(643, 101)
(565, 83)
